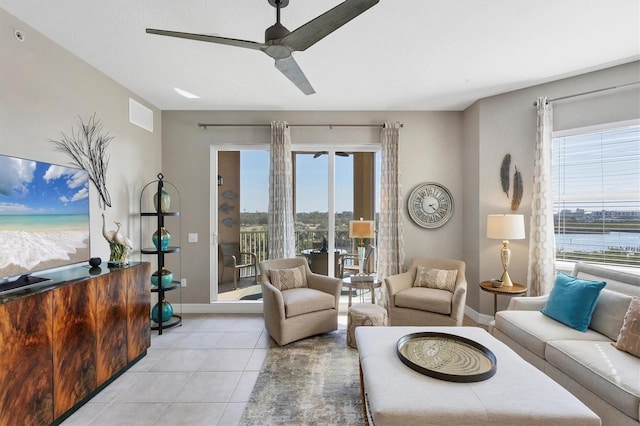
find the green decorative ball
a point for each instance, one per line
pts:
(167, 312)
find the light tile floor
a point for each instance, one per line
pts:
(201, 373)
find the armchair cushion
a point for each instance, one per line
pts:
(435, 278)
(285, 279)
(572, 301)
(300, 301)
(424, 299)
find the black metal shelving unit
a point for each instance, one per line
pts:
(145, 237)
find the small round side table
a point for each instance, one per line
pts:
(514, 290)
(361, 285)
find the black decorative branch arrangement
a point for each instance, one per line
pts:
(505, 181)
(87, 147)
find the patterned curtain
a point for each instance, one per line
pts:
(281, 230)
(390, 233)
(541, 274)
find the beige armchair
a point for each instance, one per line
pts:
(295, 313)
(409, 305)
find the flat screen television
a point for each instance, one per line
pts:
(44, 218)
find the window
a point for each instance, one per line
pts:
(596, 194)
(325, 200)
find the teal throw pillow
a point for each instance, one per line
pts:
(572, 301)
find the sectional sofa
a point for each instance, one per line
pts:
(586, 363)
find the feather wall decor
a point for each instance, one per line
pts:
(518, 190)
(504, 173)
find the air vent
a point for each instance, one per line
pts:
(140, 115)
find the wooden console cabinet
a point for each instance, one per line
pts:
(62, 342)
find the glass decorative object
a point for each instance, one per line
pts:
(161, 243)
(165, 312)
(164, 199)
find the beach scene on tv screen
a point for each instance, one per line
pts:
(44, 216)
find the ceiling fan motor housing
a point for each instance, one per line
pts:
(281, 3)
(275, 32)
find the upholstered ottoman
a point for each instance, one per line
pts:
(364, 314)
(518, 393)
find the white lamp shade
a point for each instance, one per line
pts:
(505, 226)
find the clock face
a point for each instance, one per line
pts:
(430, 205)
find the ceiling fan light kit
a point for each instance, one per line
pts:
(280, 43)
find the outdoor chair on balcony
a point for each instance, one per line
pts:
(231, 257)
(349, 263)
(296, 302)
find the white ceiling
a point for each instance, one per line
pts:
(399, 55)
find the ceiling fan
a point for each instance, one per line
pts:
(280, 42)
(338, 153)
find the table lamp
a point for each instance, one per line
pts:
(505, 227)
(361, 229)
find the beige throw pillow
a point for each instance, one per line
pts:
(436, 278)
(629, 338)
(285, 279)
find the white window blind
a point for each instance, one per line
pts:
(596, 193)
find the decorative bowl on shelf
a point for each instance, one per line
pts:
(496, 283)
(166, 278)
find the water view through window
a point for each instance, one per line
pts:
(596, 190)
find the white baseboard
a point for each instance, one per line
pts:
(236, 307)
(477, 317)
(223, 308)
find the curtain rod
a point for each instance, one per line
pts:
(331, 126)
(535, 104)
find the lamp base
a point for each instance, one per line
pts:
(361, 253)
(506, 280)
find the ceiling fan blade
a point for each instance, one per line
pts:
(320, 27)
(208, 38)
(289, 67)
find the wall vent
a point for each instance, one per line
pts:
(140, 115)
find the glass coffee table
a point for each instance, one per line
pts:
(362, 285)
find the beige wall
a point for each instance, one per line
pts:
(507, 124)
(43, 90)
(462, 150)
(431, 150)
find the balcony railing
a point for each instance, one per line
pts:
(256, 242)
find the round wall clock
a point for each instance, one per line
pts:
(430, 205)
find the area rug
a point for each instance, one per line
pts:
(314, 381)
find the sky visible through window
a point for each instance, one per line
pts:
(598, 171)
(312, 185)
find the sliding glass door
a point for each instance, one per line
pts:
(241, 212)
(330, 188)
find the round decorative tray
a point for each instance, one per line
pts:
(447, 357)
